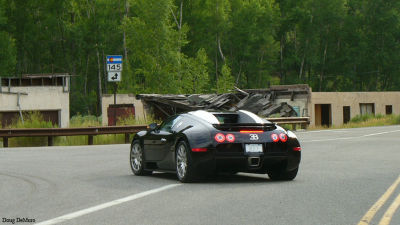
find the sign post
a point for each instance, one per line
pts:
(114, 69)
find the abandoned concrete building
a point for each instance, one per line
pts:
(323, 108)
(336, 108)
(47, 94)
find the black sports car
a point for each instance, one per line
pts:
(206, 142)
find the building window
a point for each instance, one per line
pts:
(346, 114)
(388, 109)
(367, 108)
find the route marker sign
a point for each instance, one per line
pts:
(114, 76)
(114, 67)
(117, 59)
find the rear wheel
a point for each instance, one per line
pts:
(184, 170)
(136, 159)
(282, 174)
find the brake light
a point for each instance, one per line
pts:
(297, 149)
(283, 137)
(274, 137)
(230, 137)
(220, 137)
(251, 131)
(199, 149)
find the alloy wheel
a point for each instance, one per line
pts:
(136, 157)
(181, 161)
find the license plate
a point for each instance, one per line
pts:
(254, 148)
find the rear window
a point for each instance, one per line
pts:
(227, 118)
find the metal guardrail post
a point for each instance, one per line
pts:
(5, 142)
(126, 138)
(50, 141)
(90, 140)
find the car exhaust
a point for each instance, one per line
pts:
(254, 161)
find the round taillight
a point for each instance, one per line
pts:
(230, 137)
(283, 137)
(220, 137)
(274, 137)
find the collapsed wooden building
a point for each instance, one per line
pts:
(281, 101)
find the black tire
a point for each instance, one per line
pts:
(282, 174)
(136, 159)
(183, 163)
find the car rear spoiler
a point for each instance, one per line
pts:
(245, 126)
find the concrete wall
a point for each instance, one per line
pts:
(300, 101)
(108, 99)
(352, 99)
(38, 98)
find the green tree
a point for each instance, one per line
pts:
(8, 57)
(225, 82)
(195, 76)
(251, 42)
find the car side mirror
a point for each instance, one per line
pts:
(152, 126)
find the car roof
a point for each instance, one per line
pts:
(210, 116)
(205, 115)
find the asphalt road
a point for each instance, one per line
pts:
(342, 174)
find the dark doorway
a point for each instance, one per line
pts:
(346, 114)
(388, 109)
(323, 115)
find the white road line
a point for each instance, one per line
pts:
(319, 131)
(346, 138)
(105, 205)
(344, 130)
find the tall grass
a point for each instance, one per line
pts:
(131, 120)
(368, 120)
(83, 140)
(30, 120)
(85, 121)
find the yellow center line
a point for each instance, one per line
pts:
(390, 212)
(381, 201)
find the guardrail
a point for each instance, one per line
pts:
(50, 133)
(302, 121)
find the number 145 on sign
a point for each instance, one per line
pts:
(114, 67)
